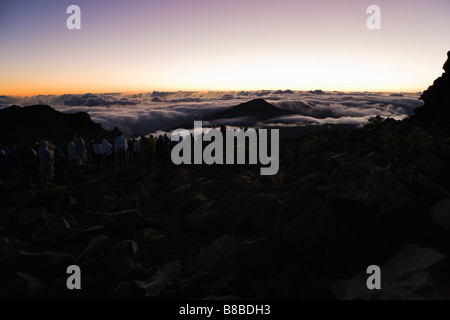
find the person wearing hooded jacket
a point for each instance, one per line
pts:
(46, 160)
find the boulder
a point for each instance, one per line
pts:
(110, 203)
(57, 225)
(140, 190)
(309, 181)
(80, 237)
(185, 188)
(265, 211)
(118, 262)
(440, 214)
(156, 176)
(44, 263)
(126, 248)
(163, 278)
(312, 232)
(177, 172)
(41, 235)
(213, 255)
(408, 276)
(194, 202)
(429, 164)
(31, 217)
(208, 217)
(245, 186)
(179, 181)
(7, 252)
(369, 186)
(24, 287)
(256, 256)
(272, 288)
(153, 187)
(123, 222)
(98, 285)
(7, 215)
(431, 187)
(121, 292)
(96, 246)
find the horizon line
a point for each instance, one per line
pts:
(206, 91)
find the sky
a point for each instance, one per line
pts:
(141, 46)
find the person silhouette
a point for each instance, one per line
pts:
(5, 165)
(97, 154)
(121, 146)
(46, 159)
(60, 166)
(446, 66)
(161, 151)
(80, 150)
(29, 162)
(108, 155)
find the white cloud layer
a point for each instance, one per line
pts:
(144, 113)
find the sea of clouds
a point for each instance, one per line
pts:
(143, 113)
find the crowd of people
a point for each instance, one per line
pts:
(45, 163)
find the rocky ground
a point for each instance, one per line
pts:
(341, 202)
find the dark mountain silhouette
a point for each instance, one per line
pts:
(37, 122)
(258, 109)
(246, 114)
(437, 97)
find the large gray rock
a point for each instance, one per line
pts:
(407, 276)
(440, 214)
(370, 186)
(163, 278)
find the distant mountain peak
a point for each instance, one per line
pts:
(258, 109)
(37, 122)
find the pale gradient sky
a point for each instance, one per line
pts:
(140, 46)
